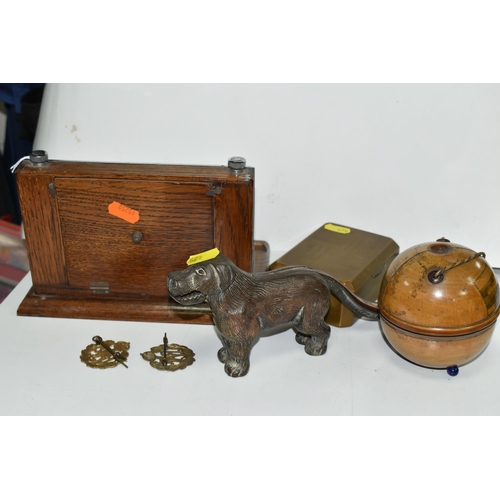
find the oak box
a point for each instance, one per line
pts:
(102, 237)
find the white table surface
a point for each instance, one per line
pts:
(41, 373)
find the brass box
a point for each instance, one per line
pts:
(357, 258)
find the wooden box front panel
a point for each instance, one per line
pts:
(175, 220)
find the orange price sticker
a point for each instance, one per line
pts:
(123, 212)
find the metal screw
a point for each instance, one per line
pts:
(39, 156)
(237, 163)
(115, 354)
(136, 236)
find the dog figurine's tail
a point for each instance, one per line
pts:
(361, 307)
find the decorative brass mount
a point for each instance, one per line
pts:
(105, 353)
(169, 357)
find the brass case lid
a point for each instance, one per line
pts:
(351, 255)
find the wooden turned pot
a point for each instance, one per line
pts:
(438, 304)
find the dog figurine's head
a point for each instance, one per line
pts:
(193, 284)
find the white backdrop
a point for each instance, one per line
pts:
(414, 162)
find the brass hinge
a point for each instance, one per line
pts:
(99, 286)
(52, 189)
(214, 191)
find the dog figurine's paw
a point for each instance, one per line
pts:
(301, 339)
(222, 355)
(235, 368)
(315, 348)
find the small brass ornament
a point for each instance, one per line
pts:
(169, 357)
(105, 353)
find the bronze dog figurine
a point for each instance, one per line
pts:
(243, 304)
